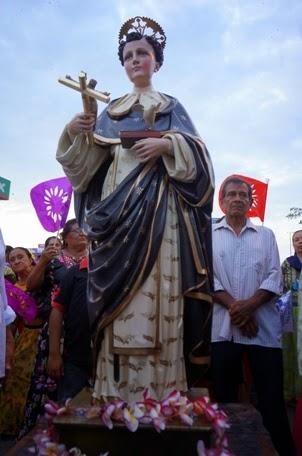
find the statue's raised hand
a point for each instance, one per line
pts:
(81, 123)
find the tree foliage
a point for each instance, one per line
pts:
(294, 213)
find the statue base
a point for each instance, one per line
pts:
(92, 437)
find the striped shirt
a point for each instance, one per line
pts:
(243, 264)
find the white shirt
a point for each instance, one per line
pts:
(242, 265)
(7, 315)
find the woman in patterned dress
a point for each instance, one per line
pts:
(291, 270)
(13, 395)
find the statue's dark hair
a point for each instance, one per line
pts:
(135, 36)
(237, 181)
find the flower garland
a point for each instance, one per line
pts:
(45, 445)
(157, 413)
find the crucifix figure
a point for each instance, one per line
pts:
(89, 95)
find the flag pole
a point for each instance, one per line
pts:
(266, 181)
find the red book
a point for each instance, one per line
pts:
(129, 138)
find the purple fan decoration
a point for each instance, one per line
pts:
(22, 303)
(51, 200)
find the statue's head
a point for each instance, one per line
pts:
(139, 28)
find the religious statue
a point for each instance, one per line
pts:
(147, 212)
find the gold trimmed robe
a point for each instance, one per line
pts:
(147, 334)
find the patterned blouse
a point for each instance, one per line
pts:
(291, 279)
(69, 260)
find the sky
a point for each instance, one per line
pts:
(235, 65)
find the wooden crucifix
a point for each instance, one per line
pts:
(88, 94)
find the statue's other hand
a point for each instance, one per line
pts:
(151, 148)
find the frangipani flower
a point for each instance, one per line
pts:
(159, 424)
(51, 409)
(151, 411)
(106, 416)
(130, 420)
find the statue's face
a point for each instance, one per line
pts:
(139, 62)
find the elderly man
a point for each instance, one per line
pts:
(247, 278)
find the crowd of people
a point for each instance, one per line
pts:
(31, 285)
(163, 292)
(48, 339)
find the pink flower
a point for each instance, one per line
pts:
(186, 419)
(130, 421)
(201, 449)
(159, 424)
(51, 408)
(106, 416)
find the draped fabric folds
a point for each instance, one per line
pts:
(127, 226)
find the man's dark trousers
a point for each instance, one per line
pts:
(267, 369)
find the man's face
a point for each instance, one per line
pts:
(236, 201)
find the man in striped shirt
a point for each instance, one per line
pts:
(247, 280)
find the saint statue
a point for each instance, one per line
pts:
(147, 213)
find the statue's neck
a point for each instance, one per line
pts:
(138, 90)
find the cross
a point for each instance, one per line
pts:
(88, 94)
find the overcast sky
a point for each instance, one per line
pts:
(235, 66)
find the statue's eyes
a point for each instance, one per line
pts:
(127, 56)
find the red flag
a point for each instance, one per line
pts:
(259, 194)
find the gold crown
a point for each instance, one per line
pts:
(144, 26)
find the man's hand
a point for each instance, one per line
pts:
(55, 366)
(241, 311)
(250, 329)
(151, 148)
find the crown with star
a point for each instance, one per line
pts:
(145, 26)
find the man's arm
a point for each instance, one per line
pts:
(268, 288)
(223, 298)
